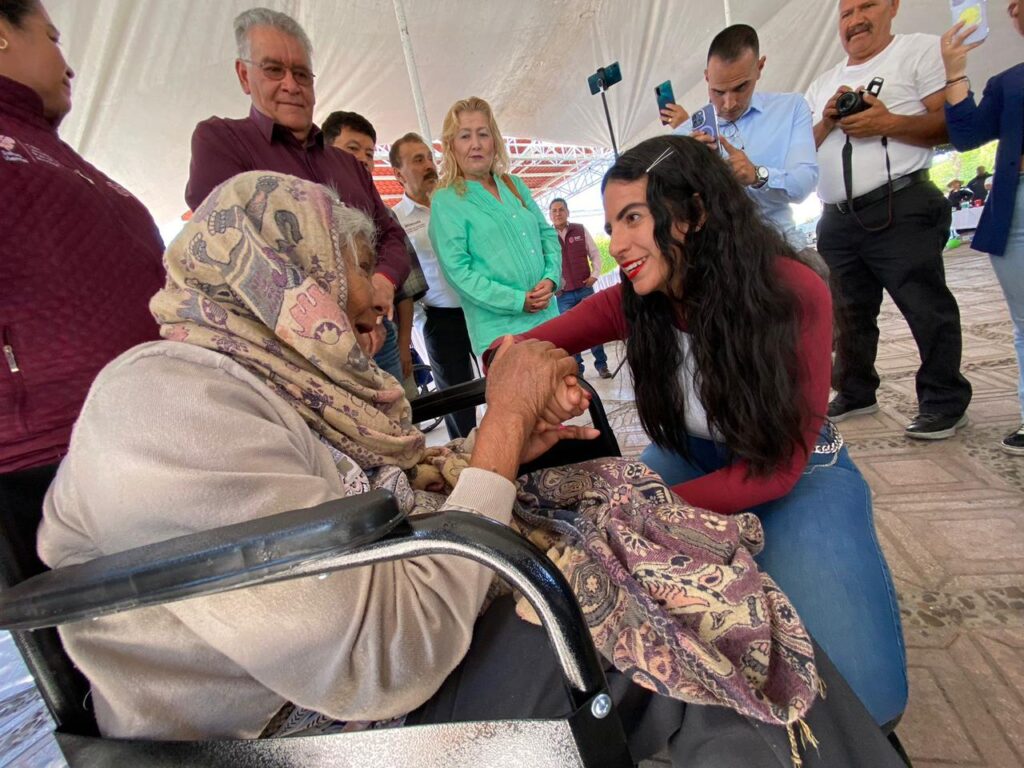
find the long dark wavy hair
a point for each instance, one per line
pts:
(724, 284)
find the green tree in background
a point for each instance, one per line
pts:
(963, 166)
(603, 243)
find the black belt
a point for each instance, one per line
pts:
(880, 193)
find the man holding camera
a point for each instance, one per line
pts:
(884, 223)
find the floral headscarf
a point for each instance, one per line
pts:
(260, 273)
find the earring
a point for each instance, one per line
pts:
(3, 44)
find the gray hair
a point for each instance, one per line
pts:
(264, 17)
(349, 226)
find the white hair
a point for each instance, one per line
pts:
(264, 17)
(349, 226)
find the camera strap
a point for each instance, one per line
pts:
(848, 183)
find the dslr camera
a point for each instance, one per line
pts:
(852, 102)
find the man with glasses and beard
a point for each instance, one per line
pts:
(445, 334)
(767, 137)
(274, 70)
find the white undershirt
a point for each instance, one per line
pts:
(689, 378)
(912, 68)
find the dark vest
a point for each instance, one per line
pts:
(575, 262)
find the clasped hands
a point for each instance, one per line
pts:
(538, 298)
(531, 390)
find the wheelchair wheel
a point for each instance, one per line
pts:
(424, 377)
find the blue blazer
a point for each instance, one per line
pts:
(1000, 115)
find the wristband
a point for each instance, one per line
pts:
(956, 80)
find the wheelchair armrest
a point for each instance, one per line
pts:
(346, 533)
(244, 554)
(437, 404)
(472, 393)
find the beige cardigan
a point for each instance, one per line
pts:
(174, 439)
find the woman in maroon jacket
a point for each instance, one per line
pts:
(728, 338)
(79, 256)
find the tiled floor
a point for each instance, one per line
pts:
(951, 519)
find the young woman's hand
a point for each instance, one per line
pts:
(955, 49)
(529, 390)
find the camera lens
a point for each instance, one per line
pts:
(847, 103)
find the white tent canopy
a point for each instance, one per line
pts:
(149, 70)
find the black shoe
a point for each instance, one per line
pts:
(841, 409)
(1014, 442)
(604, 373)
(934, 426)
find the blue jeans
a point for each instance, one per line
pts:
(566, 301)
(387, 358)
(821, 548)
(1009, 269)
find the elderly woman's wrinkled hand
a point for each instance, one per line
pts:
(524, 377)
(531, 389)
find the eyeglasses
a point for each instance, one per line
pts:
(731, 133)
(274, 70)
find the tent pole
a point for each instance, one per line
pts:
(728, 12)
(414, 75)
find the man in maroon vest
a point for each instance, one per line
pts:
(581, 265)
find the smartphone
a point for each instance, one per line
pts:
(973, 13)
(604, 78)
(705, 119)
(665, 96)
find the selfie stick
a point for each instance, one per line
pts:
(607, 114)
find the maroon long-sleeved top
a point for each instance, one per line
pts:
(222, 148)
(80, 259)
(600, 318)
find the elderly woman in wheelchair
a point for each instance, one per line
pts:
(260, 400)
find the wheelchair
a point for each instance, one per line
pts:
(423, 376)
(339, 534)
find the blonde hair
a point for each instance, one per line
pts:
(451, 173)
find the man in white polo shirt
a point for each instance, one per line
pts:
(451, 357)
(884, 223)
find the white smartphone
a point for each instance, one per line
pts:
(973, 13)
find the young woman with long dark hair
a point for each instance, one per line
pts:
(728, 338)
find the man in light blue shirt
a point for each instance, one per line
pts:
(767, 138)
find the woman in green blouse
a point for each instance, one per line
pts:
(494, 245)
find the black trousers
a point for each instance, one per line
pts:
(510, 672)
(451, 358)
(906, 260)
